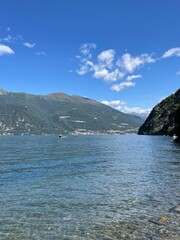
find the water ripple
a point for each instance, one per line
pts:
(89, 187)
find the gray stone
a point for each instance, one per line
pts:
(177, 209)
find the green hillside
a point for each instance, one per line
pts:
(59, 113)
(164, 119)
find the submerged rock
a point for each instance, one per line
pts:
(176, 209)
(163, 218)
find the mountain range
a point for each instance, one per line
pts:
(59, 113)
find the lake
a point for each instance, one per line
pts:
(100, 187)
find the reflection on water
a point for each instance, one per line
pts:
(89, 187)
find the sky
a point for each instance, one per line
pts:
(123, 53)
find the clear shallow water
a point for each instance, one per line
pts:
(89, 187)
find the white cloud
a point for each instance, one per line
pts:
(106, 58)
(5, 50)
(84, 58)
(172, 52)
(29, 45)
(122, 106)
(83, 70)
(109, 69)
(8, 39)
(117, 104)
(119, 87)
(103, 69)
(178, 73)
(103, 73)
(41, 53)
(85, 67)
(137, 111)
(11, 39)
(130, 64)
(19, 37)
(8, 29)
(85, 49)
(129, 78)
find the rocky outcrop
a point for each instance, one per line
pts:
(164, 119)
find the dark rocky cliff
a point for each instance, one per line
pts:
(164, 119)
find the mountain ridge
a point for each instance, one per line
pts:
(60, 113)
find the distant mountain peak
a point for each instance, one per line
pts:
(3, 92)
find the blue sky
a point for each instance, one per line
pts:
(123, 53)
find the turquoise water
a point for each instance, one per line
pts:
(89, 187)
